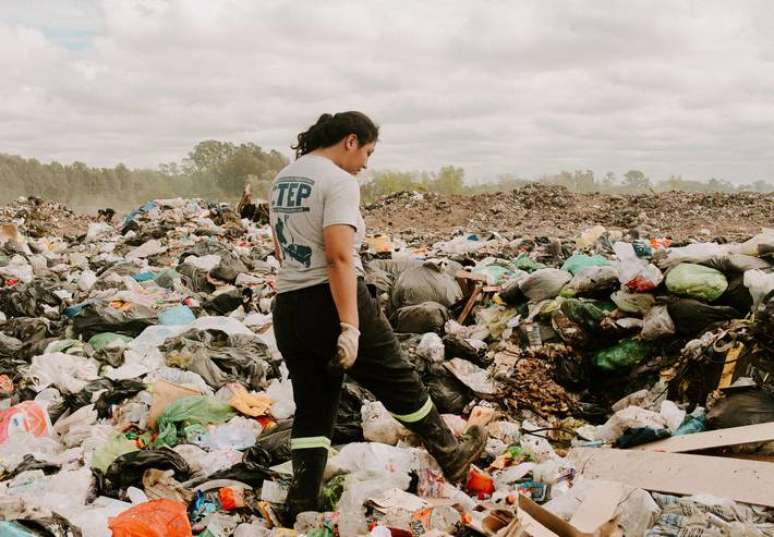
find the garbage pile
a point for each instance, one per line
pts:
(625, 383)
(34, 217)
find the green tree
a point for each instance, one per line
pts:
(450, 180)
(636, 181)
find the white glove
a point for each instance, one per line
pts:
(347, 345)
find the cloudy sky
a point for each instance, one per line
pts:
(529, 87)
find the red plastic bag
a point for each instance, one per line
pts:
(156, 518)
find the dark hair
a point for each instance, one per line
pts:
(331, 129)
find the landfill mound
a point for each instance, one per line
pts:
(625, 380)
(538, 209)
(36, 218)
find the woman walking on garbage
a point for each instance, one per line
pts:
(325, 319)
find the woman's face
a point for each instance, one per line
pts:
(356, 156)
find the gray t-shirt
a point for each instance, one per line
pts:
(307, 196)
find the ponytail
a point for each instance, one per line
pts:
(331, 129)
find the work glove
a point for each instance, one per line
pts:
(347, 345)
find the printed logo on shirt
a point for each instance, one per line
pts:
(290, 194)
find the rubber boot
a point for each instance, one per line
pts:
(453, 456)
(304, 491)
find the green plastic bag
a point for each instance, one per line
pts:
(696, 281)
(108, 452)
(578, 262)
(525, 263)
(187, 411)
(100, 341)
(584, 313)
(625, 354)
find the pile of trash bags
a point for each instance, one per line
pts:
(142, 392)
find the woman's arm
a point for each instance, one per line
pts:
(339, 241)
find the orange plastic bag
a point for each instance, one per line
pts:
(28, 417)
(156, 518)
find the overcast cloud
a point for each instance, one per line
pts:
(528, 87)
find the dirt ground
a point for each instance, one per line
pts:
(556, 212)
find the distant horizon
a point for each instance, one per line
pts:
(472, 181)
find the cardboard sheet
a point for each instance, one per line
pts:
(734, 436)
(677, 473)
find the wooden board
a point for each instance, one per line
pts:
(679, 473)
(763, 432)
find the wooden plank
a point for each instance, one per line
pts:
(469, 306)
(729, 367)
(678, 473)
(763, 432)
(548, 520)
(465, 275)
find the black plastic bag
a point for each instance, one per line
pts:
(247, 472)
(449, 394)
(422, 318)
(120, 391)
(276, 442)
(635, 436)
(227, 302)
(29, 462)
(737, 409)
(28, 299)
(693, 316)
(128, 469)
(456, 346)
(349, 420)
(98, 318)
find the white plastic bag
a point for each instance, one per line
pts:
(657, 324)
(87, 280)
(431, 347)
(760, 284)
(238, 433)
(629, 417)
(67, 372)
(636, 274)
(281, 392)
(380, 426)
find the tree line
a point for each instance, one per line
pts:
(218, 170)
